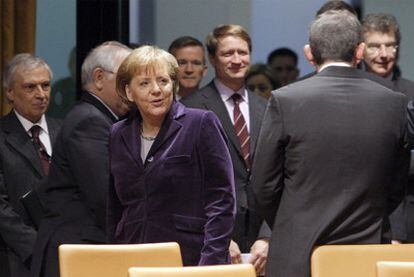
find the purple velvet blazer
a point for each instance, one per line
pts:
(183, 192)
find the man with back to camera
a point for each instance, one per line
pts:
(76, 191)
(26, 139)
(284, 63)
(190, 56)
(240, 112)
(382, 37)
(331, 170)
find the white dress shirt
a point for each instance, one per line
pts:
(44, 131)
(226, 93)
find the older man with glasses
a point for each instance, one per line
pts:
(382, 38)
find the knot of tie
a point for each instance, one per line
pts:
(35, 130)
(236, 98)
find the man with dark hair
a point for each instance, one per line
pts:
(76, 190)
(240, 112)
(335, 5)
(284, 63)
(192, 67)
(26, 139)
(331, 170)
(382, 37)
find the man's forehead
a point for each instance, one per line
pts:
(376, 36)
(26, 74)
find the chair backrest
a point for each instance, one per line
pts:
(79, 260)
(395, 269)
(239, 270)
(356, 260)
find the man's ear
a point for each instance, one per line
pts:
(359, 53)
(308, 54)
(98, 76)
(10, 94)
(212, 60)
(205, 69)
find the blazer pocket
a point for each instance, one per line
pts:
(189, 223)
(182, 159)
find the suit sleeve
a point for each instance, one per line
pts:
(17, 235)
(397, 209)
(267, 170)
(219, 191)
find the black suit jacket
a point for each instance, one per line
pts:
(20, 172)
(209, 98)
(77, 187)
(333, 162)
(404, 216)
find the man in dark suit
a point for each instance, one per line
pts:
(229, 48)
(333, 153)
(382, 37)
(76, 191)
(27, 85)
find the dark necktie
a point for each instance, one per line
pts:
(241, 129)
(41, 151)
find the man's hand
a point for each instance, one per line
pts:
(235, 253)
(258, 253)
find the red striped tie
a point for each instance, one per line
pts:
(41, 151)
(241, 129)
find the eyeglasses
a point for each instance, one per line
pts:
(375, 49)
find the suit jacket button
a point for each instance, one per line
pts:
(150, 159)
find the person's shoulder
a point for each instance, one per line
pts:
(256, 98)
(198, 95)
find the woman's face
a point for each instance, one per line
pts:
(152, 92)
(260, 85)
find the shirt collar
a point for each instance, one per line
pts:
(343, 64)
(27, 124)
(226, 92)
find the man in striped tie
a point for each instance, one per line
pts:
(240, 112)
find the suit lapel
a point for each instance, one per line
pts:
(53, 127)
(256, 112)
(169, 127)
(214, 103)
(131, 138)
(20, 141)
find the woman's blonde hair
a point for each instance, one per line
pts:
(145, 59)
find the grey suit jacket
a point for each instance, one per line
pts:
(209, 98)
(333, 162)
(403, 217)
(20, 172)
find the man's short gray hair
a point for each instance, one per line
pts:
(334, 36)
(382, 23)
(25, 61)
(105, 56)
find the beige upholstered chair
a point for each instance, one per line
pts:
(356, 260)
(395, 269)
(240, 270)
(82, 260)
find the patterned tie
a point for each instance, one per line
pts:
(41, 151)
(241, 129)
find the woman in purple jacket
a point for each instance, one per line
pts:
(171, 171)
